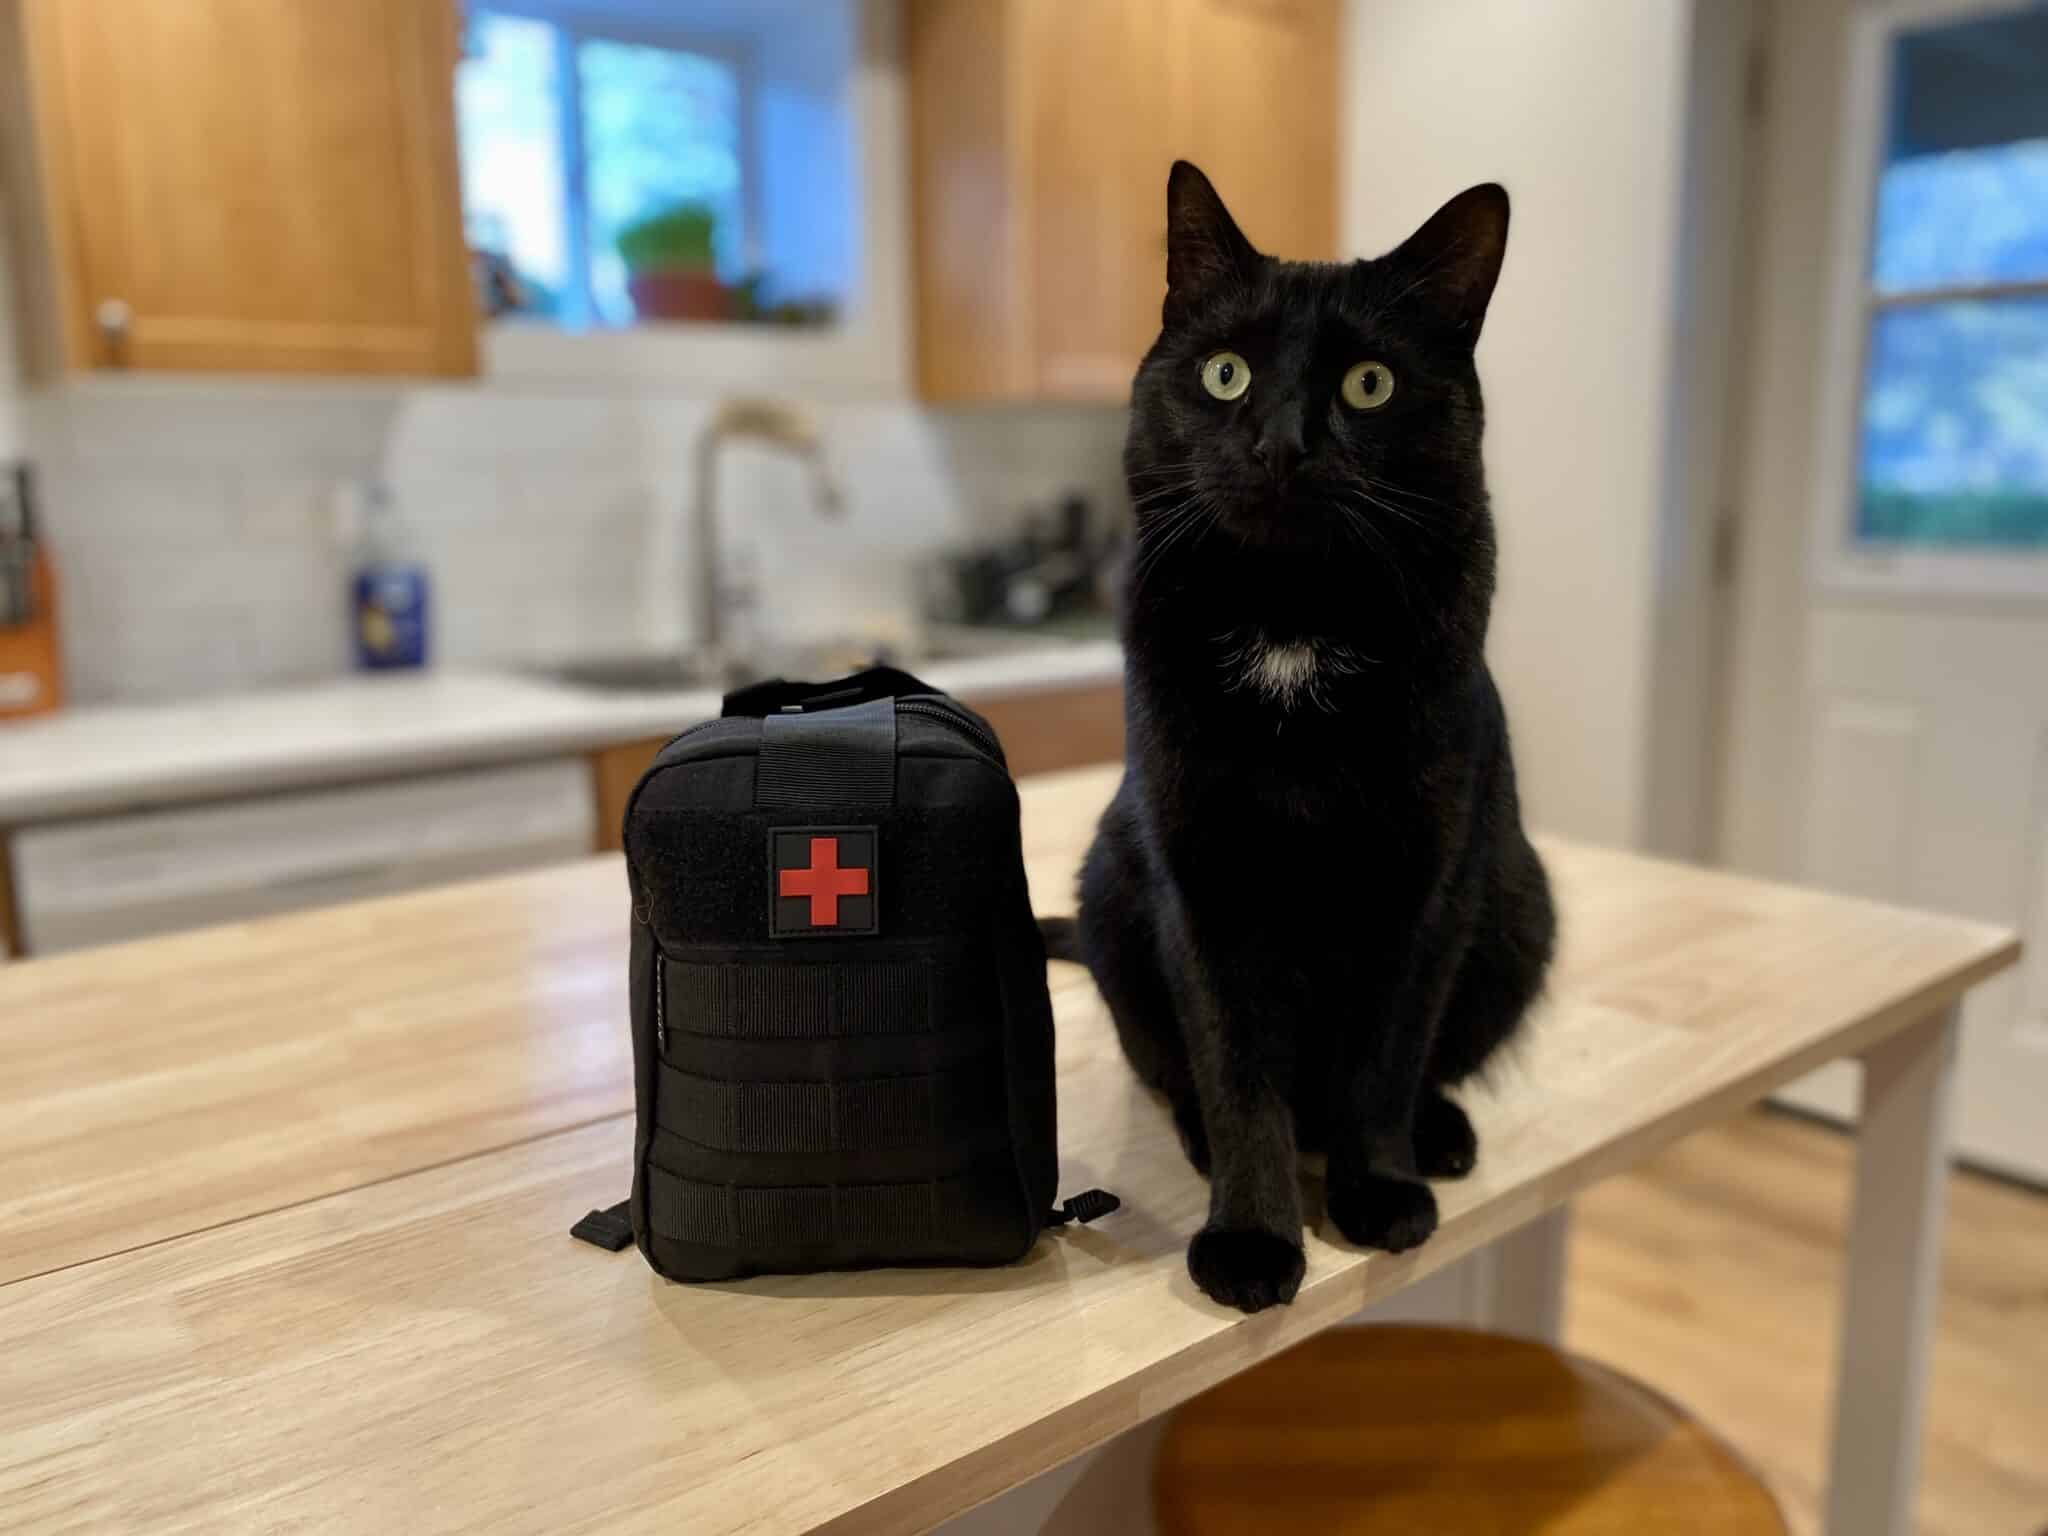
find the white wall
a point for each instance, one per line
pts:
(1580, 108)
(1793, 190)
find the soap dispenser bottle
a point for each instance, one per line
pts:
(391, 592)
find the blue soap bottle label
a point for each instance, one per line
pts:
(391, 616)
(391, 595)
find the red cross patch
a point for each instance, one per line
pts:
(824, 880)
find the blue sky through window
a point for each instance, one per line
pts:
(1954, 448)
(514, 191)
(658, 126)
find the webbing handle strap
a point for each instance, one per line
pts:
(828, 757)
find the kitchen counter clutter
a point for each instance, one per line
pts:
(96, 759)
(296, 1254)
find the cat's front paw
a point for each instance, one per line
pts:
(1245, 1267)
(1446, 1146)
(1375, 1211)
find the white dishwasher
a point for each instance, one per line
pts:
(102, 879)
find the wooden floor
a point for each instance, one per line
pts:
(1710, 1273)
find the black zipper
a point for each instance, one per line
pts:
(934, 708)
(929, 706)
(692, 730)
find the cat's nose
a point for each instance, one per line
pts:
(1281, 445)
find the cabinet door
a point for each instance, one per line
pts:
(253, 184)
(1254, 97)
(1097, 142)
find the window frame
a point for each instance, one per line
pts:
(1841, 564)
(582, 21)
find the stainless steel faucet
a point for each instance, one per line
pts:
(768, 421)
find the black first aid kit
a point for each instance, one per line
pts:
(842, 1038)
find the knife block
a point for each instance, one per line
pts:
(31, 679)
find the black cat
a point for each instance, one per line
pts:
(1311, 906)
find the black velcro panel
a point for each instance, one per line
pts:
(778, 1000)
(860, 1114)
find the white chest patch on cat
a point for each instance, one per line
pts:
(1285, 671)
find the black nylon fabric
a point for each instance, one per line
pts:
(818, 1101)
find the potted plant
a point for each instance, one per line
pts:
(670, 270)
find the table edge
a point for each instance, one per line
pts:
(1327, 1301)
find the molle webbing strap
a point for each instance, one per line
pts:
(860, 1215)
(926, 1110)
(781, 1000)
(828, 757)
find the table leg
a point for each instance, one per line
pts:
(1522, 1280)
(1103, 1492)
(1891, 1278)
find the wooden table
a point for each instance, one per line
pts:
(283, 1214)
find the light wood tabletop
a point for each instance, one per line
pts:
(374, 1125)
(152, 1089)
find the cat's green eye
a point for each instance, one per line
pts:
(1368, 386)
(1226, 375)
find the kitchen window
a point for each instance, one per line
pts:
(610, 173)
(1952, 454)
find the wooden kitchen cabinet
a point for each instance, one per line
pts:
(10, 927)
(1059, 727)
(1041, 133)
(1040, 732)
(245, 185)
(613, 773)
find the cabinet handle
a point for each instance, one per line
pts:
(114, 317)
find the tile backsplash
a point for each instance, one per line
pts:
(202, 548)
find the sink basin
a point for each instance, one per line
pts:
(631, 674)
(659, 673)
(677, 674)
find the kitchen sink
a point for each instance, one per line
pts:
(670, 673)
(631, 674)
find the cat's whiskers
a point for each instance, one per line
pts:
(1163, 530)
(1372, 539)
(1421, 524)
(1408, 493)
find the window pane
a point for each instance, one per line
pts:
(507, 105)
(660, 129)
(1966, 216)
(1955, 425)
(1963, 196)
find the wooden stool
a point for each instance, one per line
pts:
(1445, 1432)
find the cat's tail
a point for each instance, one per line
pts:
(1062, 937)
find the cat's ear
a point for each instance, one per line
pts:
(1453, 261)
(1204, 247)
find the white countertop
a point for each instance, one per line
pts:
(106, 758)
